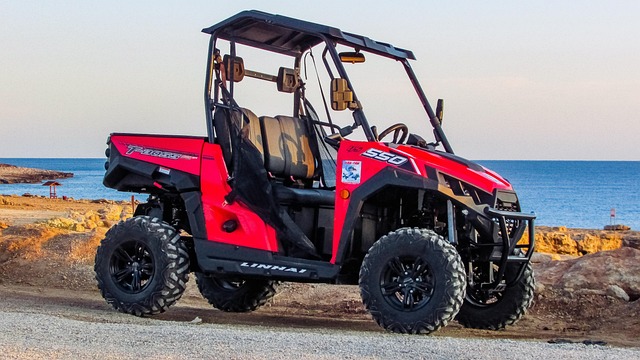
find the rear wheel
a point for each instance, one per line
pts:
(495, 310)
(142, 266)
(235, 295)
(412, 281)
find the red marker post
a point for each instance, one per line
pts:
(613, 215)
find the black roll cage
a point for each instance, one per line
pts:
(293, 37)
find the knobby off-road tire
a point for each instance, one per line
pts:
(235, 296)
(412, 281)
(500, 309)
(142, 266)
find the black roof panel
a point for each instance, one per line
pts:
(293, 36)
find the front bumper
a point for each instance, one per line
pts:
(509, 227)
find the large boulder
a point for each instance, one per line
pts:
(603, 273)
(631, 240)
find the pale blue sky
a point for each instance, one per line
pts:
(521, 79)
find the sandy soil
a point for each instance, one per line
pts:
(48, 270)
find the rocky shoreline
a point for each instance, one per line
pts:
(587, 281)
(561, 240)
(11, 174)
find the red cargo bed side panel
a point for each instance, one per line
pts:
(174, 152)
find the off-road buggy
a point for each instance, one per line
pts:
(427, 235)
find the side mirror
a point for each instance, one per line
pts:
(287, 80)
(341, 95)
(440, 110)
(351, 57)
(233, 66)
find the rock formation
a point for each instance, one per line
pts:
(10, 174)
(614, 273)
(560, 240)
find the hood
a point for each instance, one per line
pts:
(434, 162)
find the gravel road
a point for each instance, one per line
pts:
(28, 335)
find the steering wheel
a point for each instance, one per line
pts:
(396, 129)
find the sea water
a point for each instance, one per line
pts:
(86, 182)
(578, 194)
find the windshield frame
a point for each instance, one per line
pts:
(250, 23)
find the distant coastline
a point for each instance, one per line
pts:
(11, 174)
(575, 194)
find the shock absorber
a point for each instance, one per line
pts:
(153, 207)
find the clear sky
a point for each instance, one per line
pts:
(521, 79)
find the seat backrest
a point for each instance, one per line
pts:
(274, 160)
(250, 130)
(287, 151)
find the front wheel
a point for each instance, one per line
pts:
(142, 266)
(495, 310)
(412, 281)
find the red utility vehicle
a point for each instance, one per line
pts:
(428, 236)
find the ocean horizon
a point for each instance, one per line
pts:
(572, 193)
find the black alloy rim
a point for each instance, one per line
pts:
(407, 283)
(481, 297)
(132, 267)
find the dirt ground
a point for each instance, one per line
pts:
(47, 267)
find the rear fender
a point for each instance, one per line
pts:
(162, 166)
(134, 166)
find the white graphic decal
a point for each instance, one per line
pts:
(351, 172)
(390, 158)
(158, 153)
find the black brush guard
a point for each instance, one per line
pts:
(510, 243)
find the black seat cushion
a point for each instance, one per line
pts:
(310, 197)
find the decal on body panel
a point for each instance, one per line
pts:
(351, 172)
(158, 153)
(390, 158)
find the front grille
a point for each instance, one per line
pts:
(507, 201)
(460, 188)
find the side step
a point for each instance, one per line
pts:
(231, 260)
